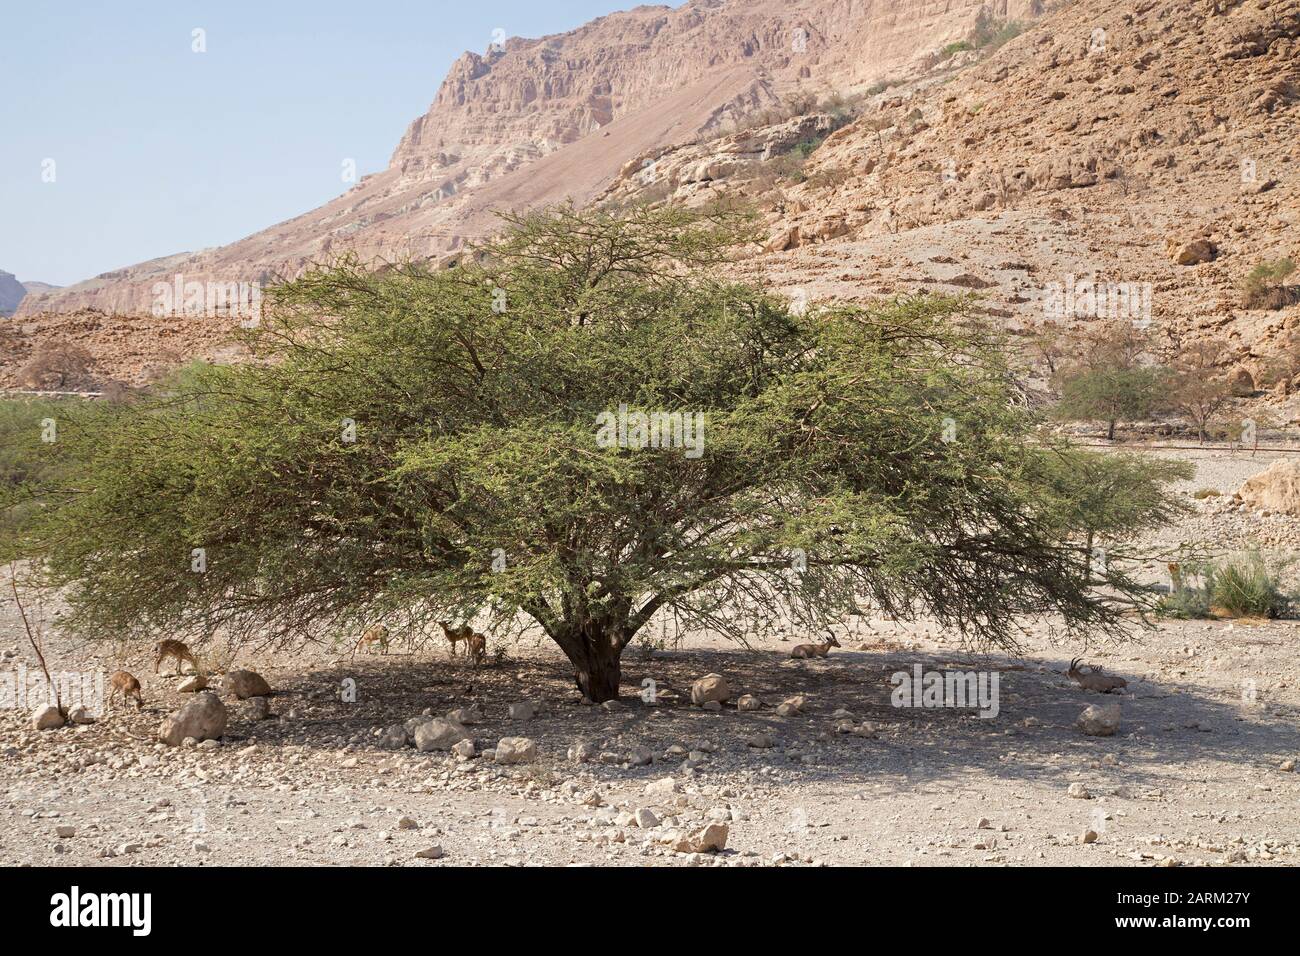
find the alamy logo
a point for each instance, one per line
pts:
(1089, 299)
(626, 429)
(103, 909)
(923, 688)
(195, 299)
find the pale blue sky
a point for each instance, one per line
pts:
(158, 149)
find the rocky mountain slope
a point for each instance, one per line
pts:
(538, 121)
(1145, 150)
(12, 292)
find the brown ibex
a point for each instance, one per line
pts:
(477, 647)
(1093, 678)
(176, 650)
(805, 651)
(127, 686)
(375, 634)
(461, 633)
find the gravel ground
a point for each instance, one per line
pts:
(1194, 776)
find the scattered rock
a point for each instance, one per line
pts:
(437, 733)
(464, 749)
(1079, 792)
(80, 715)
(1088, 836)
(646, 819)
(748, 702)
(394, 737)
(1099, 720)
(192, 684)
(712, 839)
(203, 718)
(524, 710)
(1277, 488)
(245, 683)
(1194, 252)
(430, 853)
(512, 750)
(710, 687)
(46, 717)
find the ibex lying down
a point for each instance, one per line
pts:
(127, 686)
(805, 651)
(176, 650)
(1094, 679)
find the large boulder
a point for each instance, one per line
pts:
(244, 684)
(1099, 720)
(710, 687)
(46, 717)
(1277, 488)
(437, 733)
(516, 750)
(203, 718)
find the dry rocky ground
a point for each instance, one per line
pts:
(1198, 773)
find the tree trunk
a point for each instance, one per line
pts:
(1110, 432)
(594, 653)
(598, 679)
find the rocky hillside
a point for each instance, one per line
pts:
(12, 292)
(1136, 153)
(1148, 149)
(538, 121)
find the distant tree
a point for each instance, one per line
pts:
(415, 445)
(1200, 385)
(1106, 374)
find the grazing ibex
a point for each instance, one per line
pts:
(461, 633)
(805, 651)
(1094, 679)
(127, 686)
(375, 634)
(477, 647)
(176, 650)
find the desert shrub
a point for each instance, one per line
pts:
(56, 365)
(1244, 586)
(1265, 286)
(31, 453)
(957, 47)
(1241, 585)
(989, 34)
(1202, 493)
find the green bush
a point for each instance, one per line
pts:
(1243, 586)
(1240, 586)
(1265, 287)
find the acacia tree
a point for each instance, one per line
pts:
(1109, 376)
(424, 445)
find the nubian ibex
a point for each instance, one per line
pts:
(805, 651)
(176, 650)
(125, 684)
(1093, 678)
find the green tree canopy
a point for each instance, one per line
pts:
(417, 445)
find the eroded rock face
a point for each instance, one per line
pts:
(533, 121)
(203, 718)
(1277, 488)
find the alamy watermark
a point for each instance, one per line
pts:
(26, 690)
(625, 429)
(1090, 299)
(922, 688)
(195, 299)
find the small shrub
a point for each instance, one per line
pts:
(1202, 493)
(1243, 586)
(1265, 287)
(957, 47)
